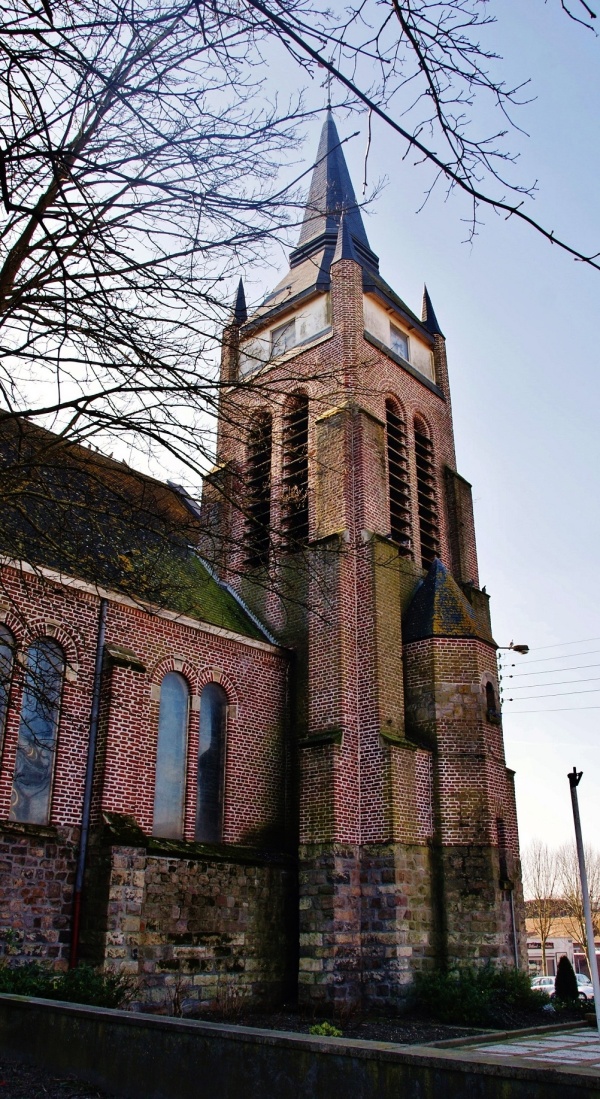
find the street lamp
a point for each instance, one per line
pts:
(522, 649)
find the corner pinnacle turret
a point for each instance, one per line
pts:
(428, 316)
(240, 312)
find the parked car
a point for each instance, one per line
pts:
(543, 984)
(584, 986)
(546, 984)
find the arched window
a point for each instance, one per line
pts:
(171, 755)
(258, 506)
(295, 470)
(211, 761)
(7, 656)
(398, 483)
(491, 706)
(428, 520)
(36, 748)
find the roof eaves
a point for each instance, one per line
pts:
(257, 322)
(387, 295)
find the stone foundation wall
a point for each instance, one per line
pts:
(206, 929)
(478, 914)
(366, 922)
(37, 874)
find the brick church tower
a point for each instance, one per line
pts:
(340, 518)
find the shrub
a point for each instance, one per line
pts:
(83, 985)
(565, 985)
(325, 1030)
(475, 997)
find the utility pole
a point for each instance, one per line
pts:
(574, 780)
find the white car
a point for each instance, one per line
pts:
(543, 984)
(584, 986)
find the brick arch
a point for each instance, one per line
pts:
(173, 663)
(217, 675)
(15, 627)
(398, 403)
(38, 628)
(416, 416)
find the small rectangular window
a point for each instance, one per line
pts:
(283, 338)
(399, 342)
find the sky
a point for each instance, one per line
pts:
(519, 319)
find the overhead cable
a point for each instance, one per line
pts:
(561, 694)
(552, 671)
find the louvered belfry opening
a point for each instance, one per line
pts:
(428, 519)
(258, 485)
(398, 479)
(295, 470)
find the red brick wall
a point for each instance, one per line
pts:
(254, 677)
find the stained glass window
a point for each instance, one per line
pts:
(211, 759)
(7, 651)
(171, 755)
(36, 748)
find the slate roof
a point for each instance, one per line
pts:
(87, 516)
(331, 203)
(439, 609)
(331, 194)
(428, 315)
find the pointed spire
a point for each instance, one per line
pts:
(428, 315)
(331, 194)
(240, 312)
(344, 248)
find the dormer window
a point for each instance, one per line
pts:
(282, 338)
(399, 342)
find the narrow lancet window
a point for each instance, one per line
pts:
(295, 471)
(426, 495)
(36, 747)
(211, 764)
(258, 507)
(7, 655)
(169, 790)
(398, 482)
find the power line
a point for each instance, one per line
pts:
(563, 644)
(552, 671)
(555, 710)
(561, 694)
(558, 683)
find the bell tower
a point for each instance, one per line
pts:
(336, 510)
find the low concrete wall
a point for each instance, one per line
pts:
(141, 1057)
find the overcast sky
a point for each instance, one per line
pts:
(520, 323)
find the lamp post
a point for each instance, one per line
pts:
(574, 777)
(522, 649)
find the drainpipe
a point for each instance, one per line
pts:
(511, 897)
(89, 778)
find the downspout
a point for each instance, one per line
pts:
(513, 921)
(89, 778)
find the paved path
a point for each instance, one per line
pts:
(572, 1047)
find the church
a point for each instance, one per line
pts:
(253, 748)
